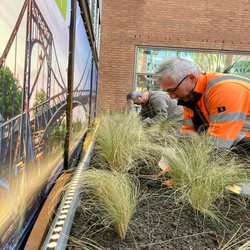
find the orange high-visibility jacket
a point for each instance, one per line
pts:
(225, 103)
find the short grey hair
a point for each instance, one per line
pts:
(133, 95)
(176, 68)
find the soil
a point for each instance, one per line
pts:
(163, 222)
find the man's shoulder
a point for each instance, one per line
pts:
(156, 95)
(160, 93)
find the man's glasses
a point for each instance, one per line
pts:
(174, 89)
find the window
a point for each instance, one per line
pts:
(147, 60)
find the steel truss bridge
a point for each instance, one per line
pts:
(23, 137)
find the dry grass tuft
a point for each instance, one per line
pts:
(200, 174)
(119, 135)
(115, 195)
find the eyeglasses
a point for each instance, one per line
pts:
(174, 89)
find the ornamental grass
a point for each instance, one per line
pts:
(122, 143)
(119, 136)
(115, 196)
(201, 174)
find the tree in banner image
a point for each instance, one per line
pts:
(39, 98)
(10, 94)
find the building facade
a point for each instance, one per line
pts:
(138, 34)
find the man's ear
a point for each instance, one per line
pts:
(193, 78)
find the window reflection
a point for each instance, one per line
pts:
(207, 61)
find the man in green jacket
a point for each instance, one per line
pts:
(156, 106)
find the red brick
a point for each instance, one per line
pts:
(220, 25)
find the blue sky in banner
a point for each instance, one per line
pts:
(59, 29)
(83, 54)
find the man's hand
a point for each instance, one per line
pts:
(131, 106)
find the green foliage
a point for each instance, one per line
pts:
(165, 134)
(10, 95)
(124, 145)
(57, 135)
(40, 97)
(77, 126)
(200, 175)
(206, 62)
(113, 193)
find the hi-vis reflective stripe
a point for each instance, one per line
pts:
(223, 78)
(247, 123)
(227, 143)
(222, 143)
(244, 130)
(212, 82)
(188, 122)
(228, 117)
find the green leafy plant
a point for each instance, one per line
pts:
(114, 194)
(40, 97)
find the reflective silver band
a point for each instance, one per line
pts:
(228, 117)
(188, 122)
(222, 143)
(212, 82)
(223, 78)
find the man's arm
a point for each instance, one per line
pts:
(188, 125)
(160, 108)
(130, 106)
(228, 107)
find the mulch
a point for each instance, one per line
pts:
(162, 221)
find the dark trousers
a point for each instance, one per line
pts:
(242, 147)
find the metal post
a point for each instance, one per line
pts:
(91, 89)
(96, 95)
(28, 140)
(49, 61)
(26, 85)
(69, 107)
(2, 141)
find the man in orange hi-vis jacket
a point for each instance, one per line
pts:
(216, 102)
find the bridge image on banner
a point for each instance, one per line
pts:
(34, 59)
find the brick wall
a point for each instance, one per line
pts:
(210, 24)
